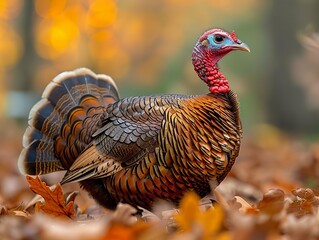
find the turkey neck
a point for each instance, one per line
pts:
(205, 64)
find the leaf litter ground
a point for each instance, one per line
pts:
(271, 193)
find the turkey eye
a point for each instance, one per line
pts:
(218, 39)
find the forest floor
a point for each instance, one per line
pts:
(271, 193)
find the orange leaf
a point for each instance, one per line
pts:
(124, 232)
(54, 202)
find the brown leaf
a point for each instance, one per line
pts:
(307, 194)
(242, 206)
(54, 204)
(305, 202)
(272, 202)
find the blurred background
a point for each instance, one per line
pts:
(146, 47)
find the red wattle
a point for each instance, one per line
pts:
(205, 64)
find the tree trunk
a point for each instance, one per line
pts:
(285, 101)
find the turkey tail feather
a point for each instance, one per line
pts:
(62, 122)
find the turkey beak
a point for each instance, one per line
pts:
(239, 45)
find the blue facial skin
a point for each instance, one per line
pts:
(217, 45)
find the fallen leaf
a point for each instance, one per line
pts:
(306, 202)
(54, 228)
(54, 203)
(189, 211)
(124, 214)
(70, 197)
(20, 213)
(201, 224)
(242, 206)
(272, 202)
(119, 231)
(307, 194)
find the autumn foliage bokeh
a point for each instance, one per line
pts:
(143, 45)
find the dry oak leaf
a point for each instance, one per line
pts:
(306, 202)
(273, 202)
(54, 204)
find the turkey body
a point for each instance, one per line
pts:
(136, 150)
(166, 145)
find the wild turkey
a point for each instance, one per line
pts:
(137, 149)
